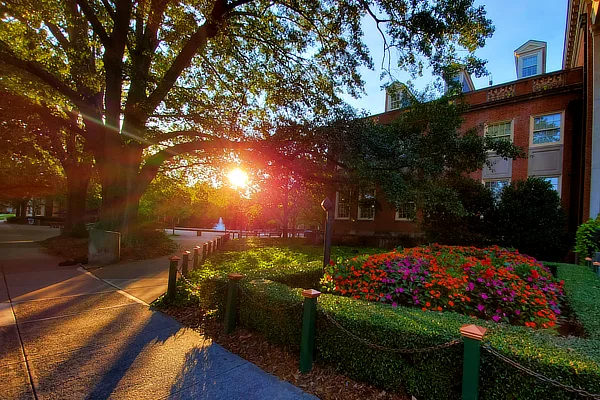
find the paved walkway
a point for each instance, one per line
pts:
(66, 334)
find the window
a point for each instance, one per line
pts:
(554, 181)
(342, 204)
(366, 204)
(499, 130)
(496, 187)
(406, 212)
(529, 66)
(546, 129)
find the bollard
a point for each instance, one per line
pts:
(209, 248)
(231, 308)
(185, 264)
(204, 252)
(596, 268)
(172, 282)
(309, 319)
(472, 335)
(215, 248)
(198, 233)
(196, 257)
(588, 262)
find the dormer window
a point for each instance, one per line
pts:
(398, 96)
(530, 65)
(396, 101)
(530, 59)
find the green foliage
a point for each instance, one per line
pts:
(587, 239)
(5, 216)
(582, 288)
(474, 225)
(532, 220)
(414, 158)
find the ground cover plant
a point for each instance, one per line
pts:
(489, 283)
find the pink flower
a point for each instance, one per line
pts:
(496, 318)
(518, 312)
(484, 296)
(480, 307)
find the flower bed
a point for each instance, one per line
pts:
(490, 283)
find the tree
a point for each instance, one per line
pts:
(153, 80)
(30, 131)
(532, 220)
(413, 158)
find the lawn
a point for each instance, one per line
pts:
(256, 254)
(4, 216)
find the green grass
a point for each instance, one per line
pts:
(254, 254)
(4, 216)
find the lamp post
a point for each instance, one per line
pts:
(327, 205)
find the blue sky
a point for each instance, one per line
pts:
(516, 22)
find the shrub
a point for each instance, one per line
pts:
(587, 239)
(490, 283)
(475, 226)
(532, 219)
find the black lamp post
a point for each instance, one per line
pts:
(327, 205)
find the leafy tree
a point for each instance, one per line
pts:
(32, 136)
(531, 219)
(413, 158)
(475, 226)
(587, 239)
(153, 80)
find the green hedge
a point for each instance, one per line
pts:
(432, 375)
(582, 288)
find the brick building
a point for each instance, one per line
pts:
(549, 115)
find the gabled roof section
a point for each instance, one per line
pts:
(531, 45)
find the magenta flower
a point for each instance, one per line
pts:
(496, 318)
(394, 305)
(484, 296)
(518, 312)
(470, 286)
(480, 307)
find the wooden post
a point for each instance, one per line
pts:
(204, 251)
(309, 319)
(231, 307)
(196, 257)
(215, 248)
(185, 264)
(198, 233)
(472, 336)
(172, 282)
(209, 249)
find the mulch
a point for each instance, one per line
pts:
(323, 381)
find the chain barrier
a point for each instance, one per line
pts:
(258, 303)
(192, 285)
(540, 377)
(389, 349)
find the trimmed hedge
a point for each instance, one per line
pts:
(432, 375)
(273, 308)
(582, 288)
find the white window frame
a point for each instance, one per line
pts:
(508, 181)
(559, 187)
(337, 208)
(537, 63)
(397, 214)
(512, 128)
(562, 128)
(359, 216)
(538, 70)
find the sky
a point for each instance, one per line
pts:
(516, 22)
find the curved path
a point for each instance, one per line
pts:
(67, 334)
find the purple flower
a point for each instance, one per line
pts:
(399, 290)
(480, 307)
(394, 305)
(480, 280)
(557, 311)
(518, 312)
(496, 318)
(470, 286)
(484, 296)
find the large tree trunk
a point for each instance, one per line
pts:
(78, 179)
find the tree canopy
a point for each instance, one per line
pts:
(152, 80)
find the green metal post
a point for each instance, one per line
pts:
(172, 282)
(588, 262)
(185, 263)
(596, 268)
(204, 251)
(309, 319)
(196, 256)
(232, 295)
(472, 335)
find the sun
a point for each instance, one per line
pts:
(238, 178)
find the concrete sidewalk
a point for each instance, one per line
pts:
(66, 334)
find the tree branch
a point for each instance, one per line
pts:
(94, 21)
(58, 35)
